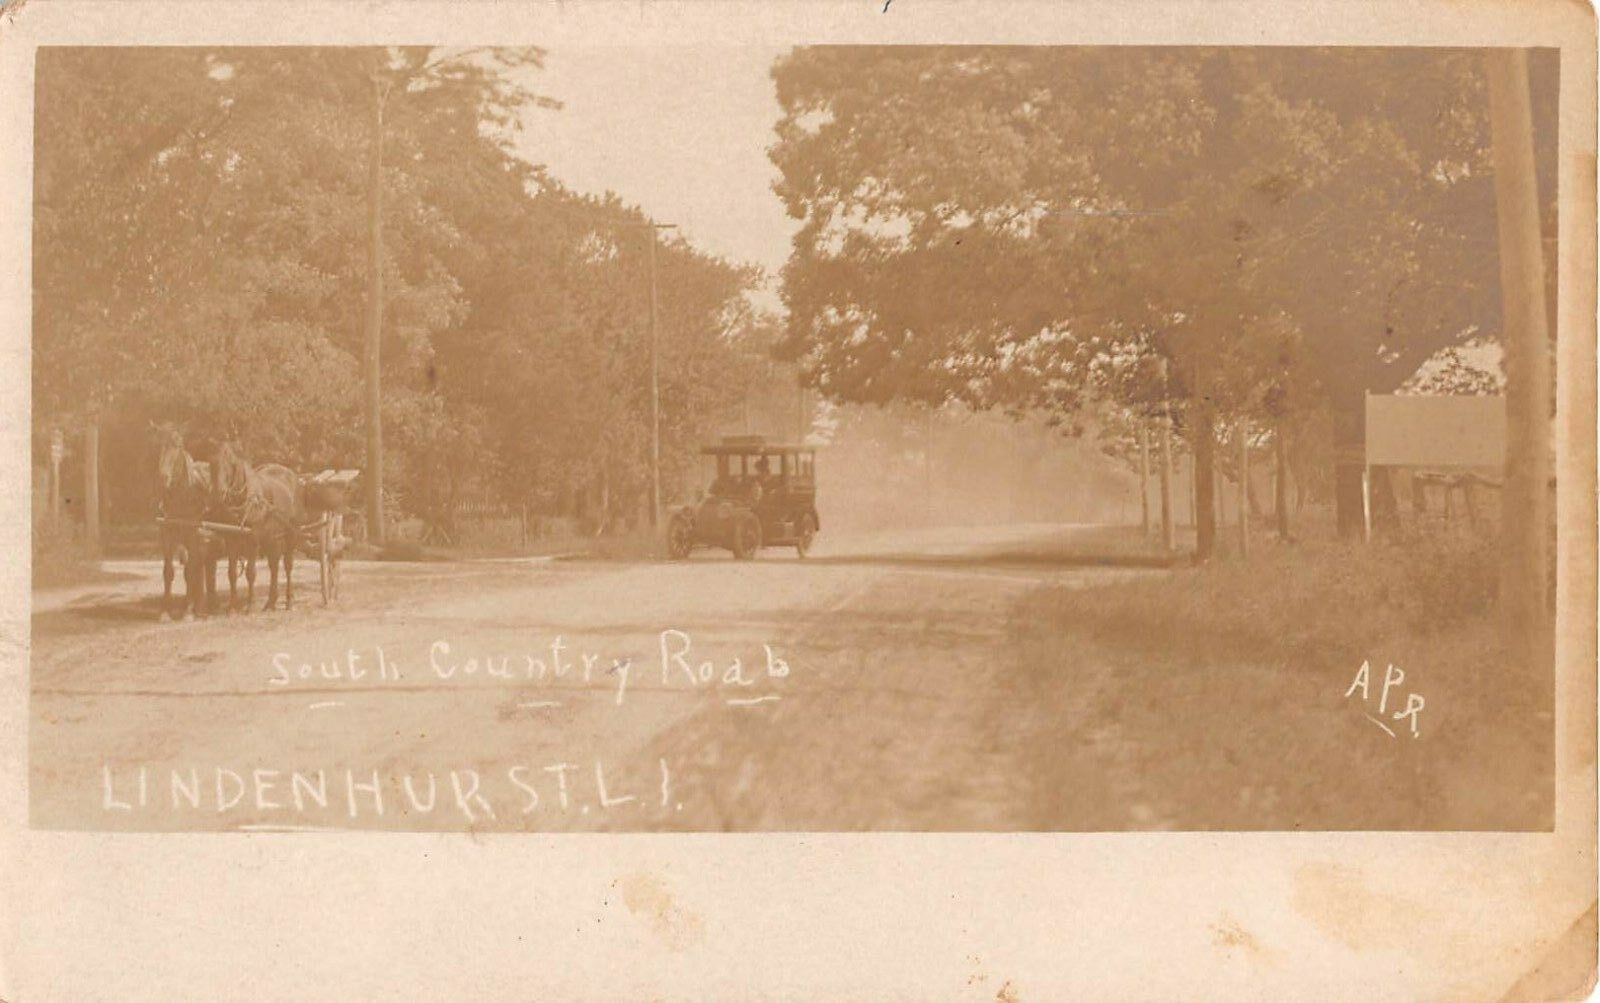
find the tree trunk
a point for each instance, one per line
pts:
(1144, 477)
(1194, 496)
(1280, 499)
(1203, 444)
(91, 487)
(1242, 433)
(374, 319)
(1168, 537)
(1349, 459)
(1526, 518)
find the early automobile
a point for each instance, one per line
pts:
(762, 495)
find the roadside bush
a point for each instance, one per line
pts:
(1442, 578)
(1314, 602)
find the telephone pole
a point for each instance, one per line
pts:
(374, 320)
(1526, 337)
(655, 381)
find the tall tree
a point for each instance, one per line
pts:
(201, 256)
(983, 223)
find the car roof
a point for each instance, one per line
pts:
(753, 445)
(755, 450)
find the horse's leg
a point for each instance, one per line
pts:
(210, 566)
(233, 576)
(271, 550)
(167, 574)
(288, 573)
(249, 574)
(193, 583)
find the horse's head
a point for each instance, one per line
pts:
(230, 475)
(172, 461)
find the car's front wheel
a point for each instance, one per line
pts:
(680, 538)
(746, 538)
(808, 534)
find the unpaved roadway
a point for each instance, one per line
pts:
(870, 692)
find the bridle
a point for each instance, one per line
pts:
(232, 478)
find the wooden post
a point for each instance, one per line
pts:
(1526, 338)
(1366, 504)
(1168, 537)
(1144, 477)
(91, 486)
(1280, 493)
(1242, 431)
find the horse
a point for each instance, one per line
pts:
(269, 503)
(184, 486)
(240, 549)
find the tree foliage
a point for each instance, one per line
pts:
(200, 256)
(1233, 232)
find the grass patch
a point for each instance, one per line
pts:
(62, 558)
(639, 543)
(1313, 603)
(1223, 691)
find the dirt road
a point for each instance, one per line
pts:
(858, 689)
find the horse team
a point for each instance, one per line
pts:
(225, 508)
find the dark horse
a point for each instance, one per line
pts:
(240, 549)
(267, 501)
(185, 486)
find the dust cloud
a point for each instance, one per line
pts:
(881, 468)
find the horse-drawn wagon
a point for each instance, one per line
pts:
(325, 538)
(225, 507)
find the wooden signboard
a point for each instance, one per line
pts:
(1431, 431)
(1435, 431)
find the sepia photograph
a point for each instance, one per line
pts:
(815, 438)
(826, 499)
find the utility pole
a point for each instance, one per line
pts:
(655, 382)
(91, 484)
(374, 328)
(655, 397)
(1527, 356)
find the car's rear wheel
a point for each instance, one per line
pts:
(746, 538)
(808, 533)
(680, 538)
